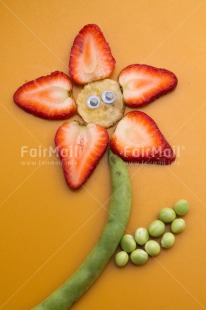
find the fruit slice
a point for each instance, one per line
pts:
(138, 139)
(143, 84)
(106, 112)
(91, 58)
(47, 97)
(80, 148)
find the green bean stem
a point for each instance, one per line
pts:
(118, 214)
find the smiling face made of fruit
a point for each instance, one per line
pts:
(101, 104)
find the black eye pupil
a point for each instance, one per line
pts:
(109, 96)
(94, 102)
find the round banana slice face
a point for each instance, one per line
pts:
(101, 103)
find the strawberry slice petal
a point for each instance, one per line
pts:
(91, 58)
(80, 148)
(143, 84)
(48, 97)
(137, 138)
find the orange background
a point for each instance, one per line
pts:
(46, 229)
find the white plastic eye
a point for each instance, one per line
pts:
(108, 96)
(93, 102)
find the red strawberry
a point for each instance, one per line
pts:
(47, 97)
(80, 148)
(91, 58)
(137, 138)
(143, 84)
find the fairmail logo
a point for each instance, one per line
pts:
(41, 152)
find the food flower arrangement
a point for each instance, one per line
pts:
(136, 138)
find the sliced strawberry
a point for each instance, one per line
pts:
(47, 97)
(143, 84)
(80, 148)
(91, 58)
(138, 139)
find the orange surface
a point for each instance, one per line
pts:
(47, 230)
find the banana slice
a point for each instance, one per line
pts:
(101, 103)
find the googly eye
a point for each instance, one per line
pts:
(93, 102)
(108, 96)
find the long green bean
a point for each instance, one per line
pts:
(118, 214)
